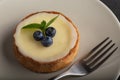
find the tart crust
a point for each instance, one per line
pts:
(52, 66)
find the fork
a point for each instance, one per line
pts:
(95, 58)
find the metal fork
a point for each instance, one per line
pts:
(96, 57)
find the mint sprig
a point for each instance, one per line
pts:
(33, 25)
(43, 25)
(51, 21)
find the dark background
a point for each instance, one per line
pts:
(114, 5)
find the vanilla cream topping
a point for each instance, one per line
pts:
(63, 41)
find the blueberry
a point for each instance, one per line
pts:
(47, 41)
(38, 35)
(50, 31)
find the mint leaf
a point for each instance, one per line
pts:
(43, 24)
(51, 21)
(33, 26)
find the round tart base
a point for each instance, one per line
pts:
(52, 66)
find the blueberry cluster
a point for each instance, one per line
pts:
(45, 37)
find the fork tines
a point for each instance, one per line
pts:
(99, 54)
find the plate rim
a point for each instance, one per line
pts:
(110, 11)
(117, 22)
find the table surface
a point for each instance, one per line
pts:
(114, 5)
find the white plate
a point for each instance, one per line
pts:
(95, 22)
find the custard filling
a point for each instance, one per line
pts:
(63, 41)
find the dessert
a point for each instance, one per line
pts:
(41, 51)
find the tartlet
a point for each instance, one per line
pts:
(37, 58)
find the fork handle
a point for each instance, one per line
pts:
(67, 73)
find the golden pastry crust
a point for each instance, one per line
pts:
(52, 66)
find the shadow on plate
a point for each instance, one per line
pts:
(7, 45)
